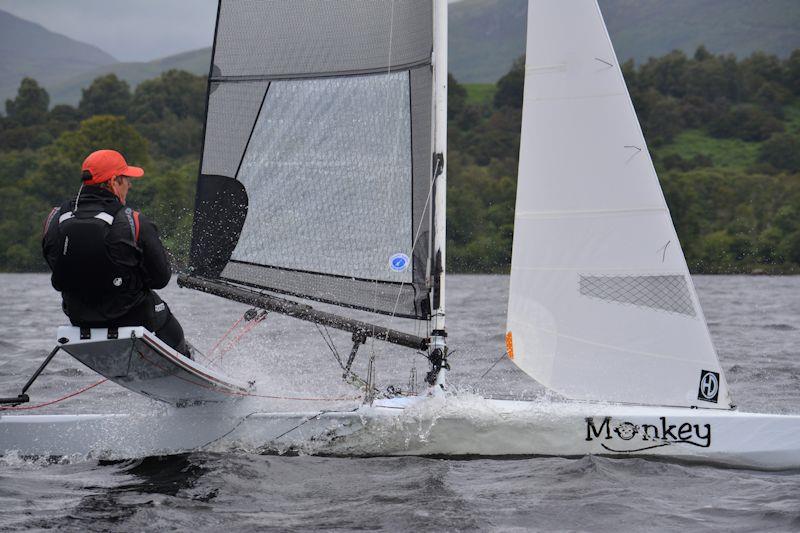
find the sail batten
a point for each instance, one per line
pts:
(601, 303)
(332, 74)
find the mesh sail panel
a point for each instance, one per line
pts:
(232, 110)
(290, 38)
(343, 146)
(320, 111)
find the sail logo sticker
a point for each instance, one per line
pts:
(627, 437)
(709, 386)
(398, 262)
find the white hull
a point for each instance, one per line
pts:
(452, 426)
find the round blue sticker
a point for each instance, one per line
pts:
(398, 262)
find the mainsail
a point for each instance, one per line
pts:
(601, 304)
(316, 177)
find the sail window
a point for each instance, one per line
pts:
(329, 167)
(664, 292)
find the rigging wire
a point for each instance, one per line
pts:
(386, 107)
(502, 356)
(329, 341)
(57, 400)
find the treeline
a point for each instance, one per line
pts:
(725, 138)
(158, 126)
(724, 133)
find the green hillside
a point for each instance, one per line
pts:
(480, 93)
(28, 49)
(487, 35)
(725, 138)
(69, 91)
(724, 134)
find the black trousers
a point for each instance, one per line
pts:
(154, 314)
(160, 320)
(151, 312)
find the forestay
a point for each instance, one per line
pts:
(601, 303)
(317, 158)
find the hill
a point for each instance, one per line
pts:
(68, 91)
(28, 49)
(487, 35)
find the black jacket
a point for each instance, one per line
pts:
(134, 263)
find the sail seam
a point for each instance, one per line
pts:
(609, 269)
(610, 346)
(588, 212)
(302, 271)
(313, 75)
(535, 98)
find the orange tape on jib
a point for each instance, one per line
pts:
(509, 345)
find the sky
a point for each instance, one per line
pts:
(129, 30)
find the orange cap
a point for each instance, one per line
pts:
(104, 165)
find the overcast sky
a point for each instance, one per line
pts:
(129, 30)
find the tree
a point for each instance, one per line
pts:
(59, 171)
(62, 118)
(30, 106)
(107, 95)
(664, 119)
(456, 98)
(175, 92)
(21, 217)
(169, 111)
(782, 152)
(709, 80)
(702, 54)
(666, 74)
(793, 72)
(747, 122)
(510, 86)
(14, 165)
(758, 69)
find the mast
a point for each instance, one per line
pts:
(438, 344)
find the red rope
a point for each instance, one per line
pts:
(225, 335)
(51, 402)
(245, 330)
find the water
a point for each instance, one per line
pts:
(754, 322)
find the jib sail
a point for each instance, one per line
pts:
(316, 170)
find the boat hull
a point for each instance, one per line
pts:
(427, 426)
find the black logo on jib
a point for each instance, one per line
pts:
(709, 386)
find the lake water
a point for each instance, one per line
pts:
(754, 322)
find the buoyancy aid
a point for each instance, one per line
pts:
(85, 262)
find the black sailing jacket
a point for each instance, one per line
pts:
(103, 283)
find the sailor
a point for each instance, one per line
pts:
(107, 258)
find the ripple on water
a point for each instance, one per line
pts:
(750, 318)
